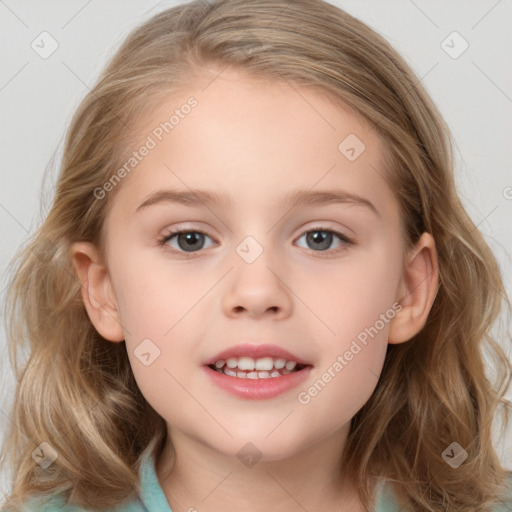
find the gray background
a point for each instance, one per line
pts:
(38, 97)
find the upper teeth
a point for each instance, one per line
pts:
(263, 363)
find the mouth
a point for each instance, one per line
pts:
(252, 371)
(261, 368)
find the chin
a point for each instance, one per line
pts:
(259, 448)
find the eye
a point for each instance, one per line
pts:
(187, 240)
(321, 239)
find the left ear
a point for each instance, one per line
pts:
(417, 291)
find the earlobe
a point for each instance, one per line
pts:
(417, 292)
(97, 292)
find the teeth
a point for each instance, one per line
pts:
(265, 363)
(249, 368)
(279, 363)
(231, 362)
(246, 363)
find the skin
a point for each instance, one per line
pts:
(256, 141)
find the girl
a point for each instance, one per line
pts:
(322, 346)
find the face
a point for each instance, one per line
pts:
(254, 273)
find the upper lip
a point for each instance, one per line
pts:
(256, 351)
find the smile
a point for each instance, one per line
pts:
(253, 383)
(261, 368)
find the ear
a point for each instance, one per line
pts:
(97, 292)
(417, 290)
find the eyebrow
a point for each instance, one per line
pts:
(293, 199)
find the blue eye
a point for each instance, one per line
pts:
(190, 241)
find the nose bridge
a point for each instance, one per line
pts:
(250, 249)
(258, 260)
(255, 245)
(256, 284)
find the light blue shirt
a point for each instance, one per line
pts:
(152, 497)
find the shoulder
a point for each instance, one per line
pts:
(386, 499)
(151, 496)
(57, 503)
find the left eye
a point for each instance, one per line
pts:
(323, 238)
(193, 241)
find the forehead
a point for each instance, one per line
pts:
(252, 138)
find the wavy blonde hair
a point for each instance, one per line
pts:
(76, 390)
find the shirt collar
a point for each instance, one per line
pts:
(154, 499)
(151, 495)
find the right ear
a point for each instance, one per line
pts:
(97, 291)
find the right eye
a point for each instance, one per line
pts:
(187, 240)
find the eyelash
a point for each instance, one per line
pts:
(163, 241)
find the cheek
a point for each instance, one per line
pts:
(351, 294)
(155, 294)
(356, 304)
(159, 305)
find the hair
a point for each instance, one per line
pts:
(76, 390)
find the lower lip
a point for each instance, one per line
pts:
(258, 389)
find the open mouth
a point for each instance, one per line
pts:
(261, 368)
(258, 376)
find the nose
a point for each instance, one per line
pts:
(255, 289)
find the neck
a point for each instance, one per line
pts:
(195, 477)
